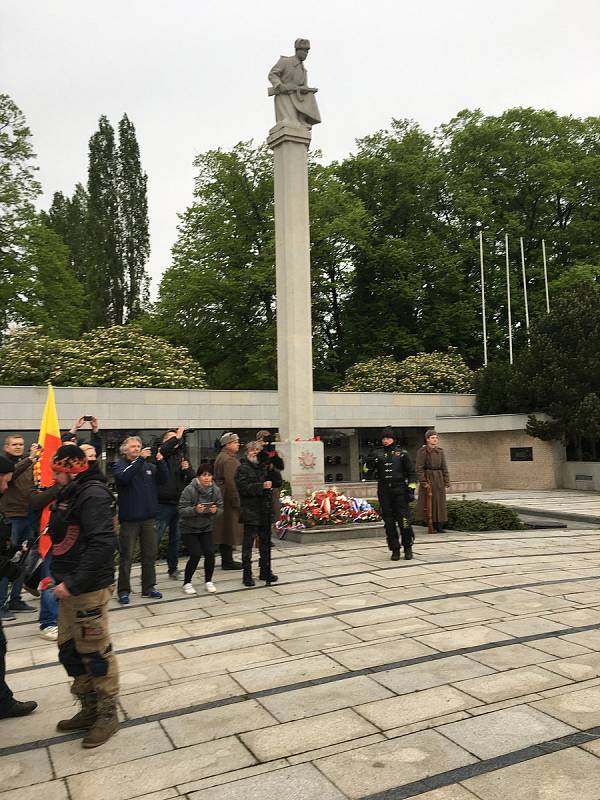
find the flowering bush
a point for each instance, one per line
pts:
(119, 357)
(323, 507)
(425, 372)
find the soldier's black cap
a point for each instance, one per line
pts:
(388, 433)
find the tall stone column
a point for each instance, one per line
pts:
(304, 458)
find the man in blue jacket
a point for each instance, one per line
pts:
(137, 480)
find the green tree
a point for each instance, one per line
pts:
(337, 232)
(558, 375)
(219, 294)
(118, 357)
(37, 284)
(408, 290)
(529, 173)
(424, 372)
(68, 217)
(52, 298)
(133, 218)
(105, 280)
(18, 190)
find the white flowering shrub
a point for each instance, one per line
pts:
(425, 372)
(118, 357)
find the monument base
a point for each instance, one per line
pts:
(304, 466)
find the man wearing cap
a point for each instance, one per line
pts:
(83, 548)
(396, 484)
(9, 707)
(228, 530)
(295, 102)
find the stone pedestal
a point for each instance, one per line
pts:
(294, 328)
(304, 466)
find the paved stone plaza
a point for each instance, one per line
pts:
(471, 672)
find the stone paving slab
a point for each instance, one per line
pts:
(404, 710)
(69, 758)
(568, 774)
(505, 731)
(393, 763)
(53, 790)
(511, 683)
(578, 708)
(150, 774)
(215, 723)
(300, 703)
(318, 652)
(24, 769)
(306, 734)
(435, 673)
(293, 783)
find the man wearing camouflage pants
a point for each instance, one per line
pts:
(83, 547)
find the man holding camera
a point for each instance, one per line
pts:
(70, 437)
(137, 479)
(9, 570)
(273, 461)
(179, 475)
(255, 483)
(396, 484)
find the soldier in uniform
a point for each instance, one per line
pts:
(396, 484)
(83, 547)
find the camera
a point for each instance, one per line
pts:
(87, 418)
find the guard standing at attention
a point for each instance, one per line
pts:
(396, 484)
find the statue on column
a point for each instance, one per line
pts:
(295, 102)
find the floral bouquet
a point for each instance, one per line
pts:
(323, 507)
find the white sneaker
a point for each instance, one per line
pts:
(188, 588)
(50, 633)
(210, 587)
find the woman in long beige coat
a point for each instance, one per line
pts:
(432, 469)
(228, 532)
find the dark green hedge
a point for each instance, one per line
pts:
(476, 515)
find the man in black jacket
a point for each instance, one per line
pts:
(9, 707)
(180, 474)
(83, 548)
(396, 484)
(255, 485)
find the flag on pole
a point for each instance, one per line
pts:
(49, 439)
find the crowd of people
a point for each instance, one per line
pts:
(231, 503)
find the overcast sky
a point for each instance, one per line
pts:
(192, 74)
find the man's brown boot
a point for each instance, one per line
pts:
(107, 723)
(85, 718)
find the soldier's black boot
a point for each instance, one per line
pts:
(408, 553)
(395, 555)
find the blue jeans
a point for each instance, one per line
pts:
(19, 533)
(168, 517)
(48, 602)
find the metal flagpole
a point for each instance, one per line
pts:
(485, 357)
(525, 288)
(546, 277)
(510, 346)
